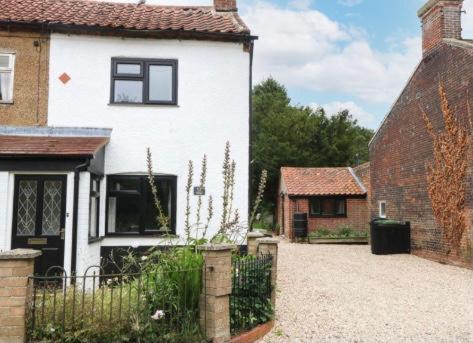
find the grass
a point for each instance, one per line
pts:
(340, 234)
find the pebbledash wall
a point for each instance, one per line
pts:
(213, 107)
(402, 149)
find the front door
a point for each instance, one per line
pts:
(39, 215)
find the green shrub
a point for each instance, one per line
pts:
(344, 232)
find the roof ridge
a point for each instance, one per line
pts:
(357, 179)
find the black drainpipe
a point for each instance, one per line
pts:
(77, 170)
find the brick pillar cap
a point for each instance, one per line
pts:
(268, 241)
(254, 235)
(431, 3)
(216, 247)
(19, 254)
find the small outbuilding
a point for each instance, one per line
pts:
(331, 198)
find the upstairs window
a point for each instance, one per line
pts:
(7, 62)
(131, 208)
(144, 81)
(328, 207)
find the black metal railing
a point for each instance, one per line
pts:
(250, 301)
(153, 306)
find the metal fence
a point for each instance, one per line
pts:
(250, 301)
(145, 307)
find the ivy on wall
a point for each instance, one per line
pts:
(447, 173)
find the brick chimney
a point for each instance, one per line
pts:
(225, 5)
(440, 19)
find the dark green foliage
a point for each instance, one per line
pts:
(121, 309)
(344, 232)
(250, 302)
(295, 136)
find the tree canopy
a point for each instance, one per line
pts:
(298, 136)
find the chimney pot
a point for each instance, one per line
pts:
(225, 5)
(440, 19)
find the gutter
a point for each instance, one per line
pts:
(80, 168)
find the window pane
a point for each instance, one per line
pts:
(5, 86)
(125, 184)
(128, 68)
(26, 215)
(151, 213)
(93, 217)
(315, 207)
(128, 91)
(52, 208)
(340, 207)
(4, 61)
(123, 214)
(328, 206)
(160, 83)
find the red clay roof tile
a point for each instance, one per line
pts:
(131, 16)
(50, 146)
(320, 181)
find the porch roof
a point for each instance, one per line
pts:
(50, 146)
(322, 182)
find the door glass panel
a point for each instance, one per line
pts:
(52, 203)
(27, 193)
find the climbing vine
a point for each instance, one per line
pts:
(448, 171)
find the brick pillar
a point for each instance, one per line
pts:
(217, 287)
(15, 267)
(270, 246)
(251, 238)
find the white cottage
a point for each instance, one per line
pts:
(118, 78)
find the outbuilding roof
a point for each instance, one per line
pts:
(50, 146)
(127, 16)
(321, 181)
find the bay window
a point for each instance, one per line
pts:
(7, 62)
(131, 208)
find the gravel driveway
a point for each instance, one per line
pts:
(342, 293)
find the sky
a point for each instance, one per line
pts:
(338, 54)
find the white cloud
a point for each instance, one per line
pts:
(300, 4)
(307, 50)
(467, 20)
(364, 118)
(350, 3)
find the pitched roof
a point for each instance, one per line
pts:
(30, 146)
(321, 181)
(128, 16)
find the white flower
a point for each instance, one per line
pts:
(144, 258)
(53, 329)
(135, 245)
(158, 315)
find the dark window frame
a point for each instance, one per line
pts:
(143, 182)
(143, 77)
(98, 179)
(328, 215)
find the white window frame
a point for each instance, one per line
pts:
(380, 209)
(11, 70)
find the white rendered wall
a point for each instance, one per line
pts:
(213, 107)
(4, 234)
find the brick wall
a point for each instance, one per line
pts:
(225, 5)
(357, 216)
(402, 149)
(30, 88)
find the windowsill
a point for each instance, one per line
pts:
(95, 239)
(141, 105)
(327, 216)
(144, 235)
(6, 102)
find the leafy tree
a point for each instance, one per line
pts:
(296, 136)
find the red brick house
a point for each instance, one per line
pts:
(332, 198)
(402, 148)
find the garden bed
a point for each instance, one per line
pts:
(338, 240)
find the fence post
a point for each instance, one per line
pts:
(251, 238)
(217, 286)
(270, 246)
(15, 267)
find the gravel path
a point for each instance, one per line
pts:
(342, 293)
